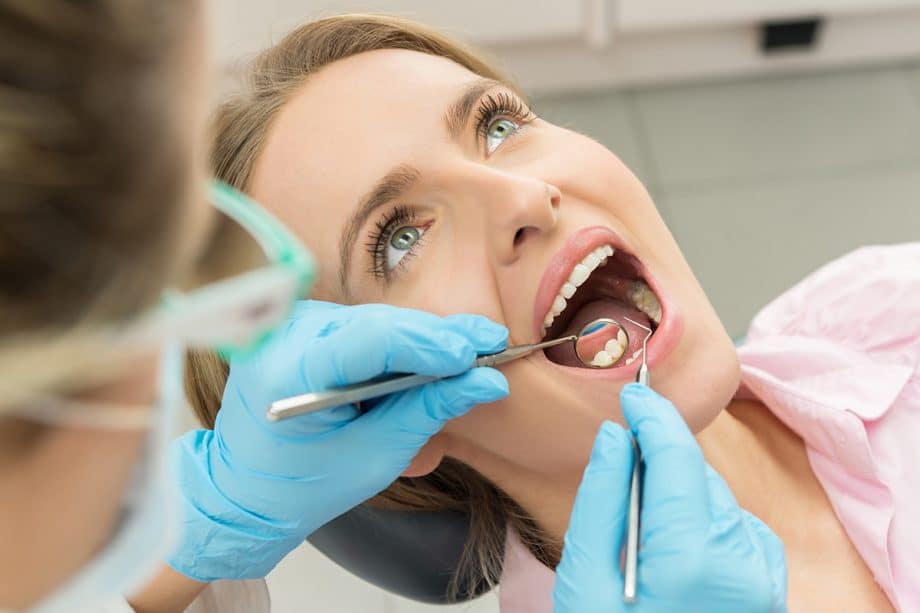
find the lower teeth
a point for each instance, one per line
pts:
(611, 352)
(603, 359)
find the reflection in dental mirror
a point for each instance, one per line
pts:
(601, 343)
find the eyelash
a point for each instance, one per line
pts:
(502, 104)
(490, 108)
(379, 239)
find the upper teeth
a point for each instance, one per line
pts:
(577, 277)
(639, 292)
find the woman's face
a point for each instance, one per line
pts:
(419, 184)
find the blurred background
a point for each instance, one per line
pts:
(774, 136)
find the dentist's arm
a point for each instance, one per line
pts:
(253, 490)
(700, 552)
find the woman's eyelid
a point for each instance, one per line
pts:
(500, 104)
(391, 218)
(506, 142)
(501, 101)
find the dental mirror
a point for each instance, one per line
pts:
(601, 342)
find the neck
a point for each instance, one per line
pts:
(755, 453)
(764, 463)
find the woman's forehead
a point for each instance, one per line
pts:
(348, 126)
(360, 112)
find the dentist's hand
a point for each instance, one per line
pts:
(699, 551)
(253, 490)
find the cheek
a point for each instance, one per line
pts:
(541, 426)
(445, 283)
(53, 478)
(595, 174)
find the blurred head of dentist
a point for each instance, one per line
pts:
(102, 116)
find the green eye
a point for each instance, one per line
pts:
(404, 238)
(498, 131)
(403, 242)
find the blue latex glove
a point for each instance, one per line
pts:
(699, 553)
(253, 490)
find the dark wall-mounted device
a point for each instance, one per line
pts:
(798, 34)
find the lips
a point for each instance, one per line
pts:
(634, 285)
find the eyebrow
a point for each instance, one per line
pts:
(401, 178)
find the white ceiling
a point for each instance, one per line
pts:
(551, 45)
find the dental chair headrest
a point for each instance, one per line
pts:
(410, 553)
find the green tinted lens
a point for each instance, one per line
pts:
(280, 245)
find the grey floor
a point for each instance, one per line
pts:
(760, 180)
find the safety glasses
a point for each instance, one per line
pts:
(237, 315)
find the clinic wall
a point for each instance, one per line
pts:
(763, 180)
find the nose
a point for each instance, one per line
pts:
(519, 209)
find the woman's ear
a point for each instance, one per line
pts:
(428, 457)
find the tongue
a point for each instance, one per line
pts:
(607, 308)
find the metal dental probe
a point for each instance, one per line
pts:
(389, 384)
(635, 494)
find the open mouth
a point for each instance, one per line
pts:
(605, 283)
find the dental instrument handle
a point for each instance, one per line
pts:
(519, 351)
(631, 563)
(347, 394)
(383, 386)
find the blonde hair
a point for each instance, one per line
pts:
(242, 123)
